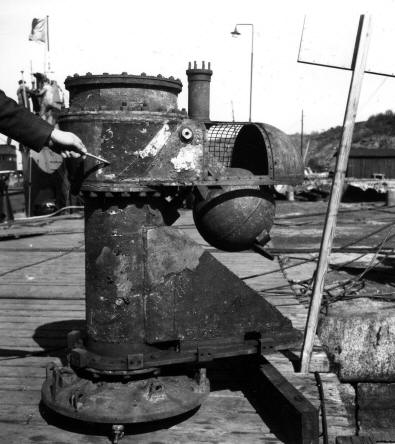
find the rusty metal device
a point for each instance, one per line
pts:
(159, 307)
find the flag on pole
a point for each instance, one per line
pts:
(38, 31)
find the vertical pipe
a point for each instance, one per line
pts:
(48, 67)
(251, 68)
(47, 28)
(199, 91)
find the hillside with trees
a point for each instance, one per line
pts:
(375, 133)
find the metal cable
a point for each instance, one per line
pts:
(298, 216)
(323, 408)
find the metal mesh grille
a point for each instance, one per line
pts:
(221, 139)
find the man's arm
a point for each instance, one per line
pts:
(22, 125)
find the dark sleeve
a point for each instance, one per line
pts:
(22, 125)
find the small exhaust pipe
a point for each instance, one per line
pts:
(199, 91)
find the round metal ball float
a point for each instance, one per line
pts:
(230, 218)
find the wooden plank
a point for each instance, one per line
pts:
(47, 292)
(355, 440)
(21, 372)
(49, 434)
(279, 399)
(29, 361)
(211, 424)
(220, 419)
(43, 304)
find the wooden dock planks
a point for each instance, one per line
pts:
(36, 314)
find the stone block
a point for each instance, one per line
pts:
(359, 337)
(376, 410)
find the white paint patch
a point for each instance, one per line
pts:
(188, 158)
(156, 144)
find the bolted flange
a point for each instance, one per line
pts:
(122, 401)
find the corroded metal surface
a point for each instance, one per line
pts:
(199, 91)
(152, 291)
(122, 401)
(123, 92)
(286, 160)
(154, 297)
(233, 218)
(133, 122)
(262, 149)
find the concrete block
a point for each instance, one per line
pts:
(359, 337)
(376, 410)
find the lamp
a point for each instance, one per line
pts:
(236, 33)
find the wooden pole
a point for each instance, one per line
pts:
(47, 30)
(301, 135)
(48, 64)
(358, 68)
(251, 68)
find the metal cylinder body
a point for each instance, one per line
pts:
(117, 117)
(199, 92)
(123, 92)
(159, 307)
(115, 270)
(122, 118)
(128, 120)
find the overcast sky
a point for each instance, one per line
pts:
(161, 37)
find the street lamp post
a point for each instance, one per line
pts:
(236, 33)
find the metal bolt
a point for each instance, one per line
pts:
(186, 134)
(118, 432)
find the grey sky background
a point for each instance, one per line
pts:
(158, 37)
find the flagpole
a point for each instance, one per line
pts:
(31, 75)
(48, 68)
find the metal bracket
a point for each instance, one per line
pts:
(135, 362)
(204, 355)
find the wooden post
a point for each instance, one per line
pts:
(301, 136)
(283, 407)
(358, 68)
